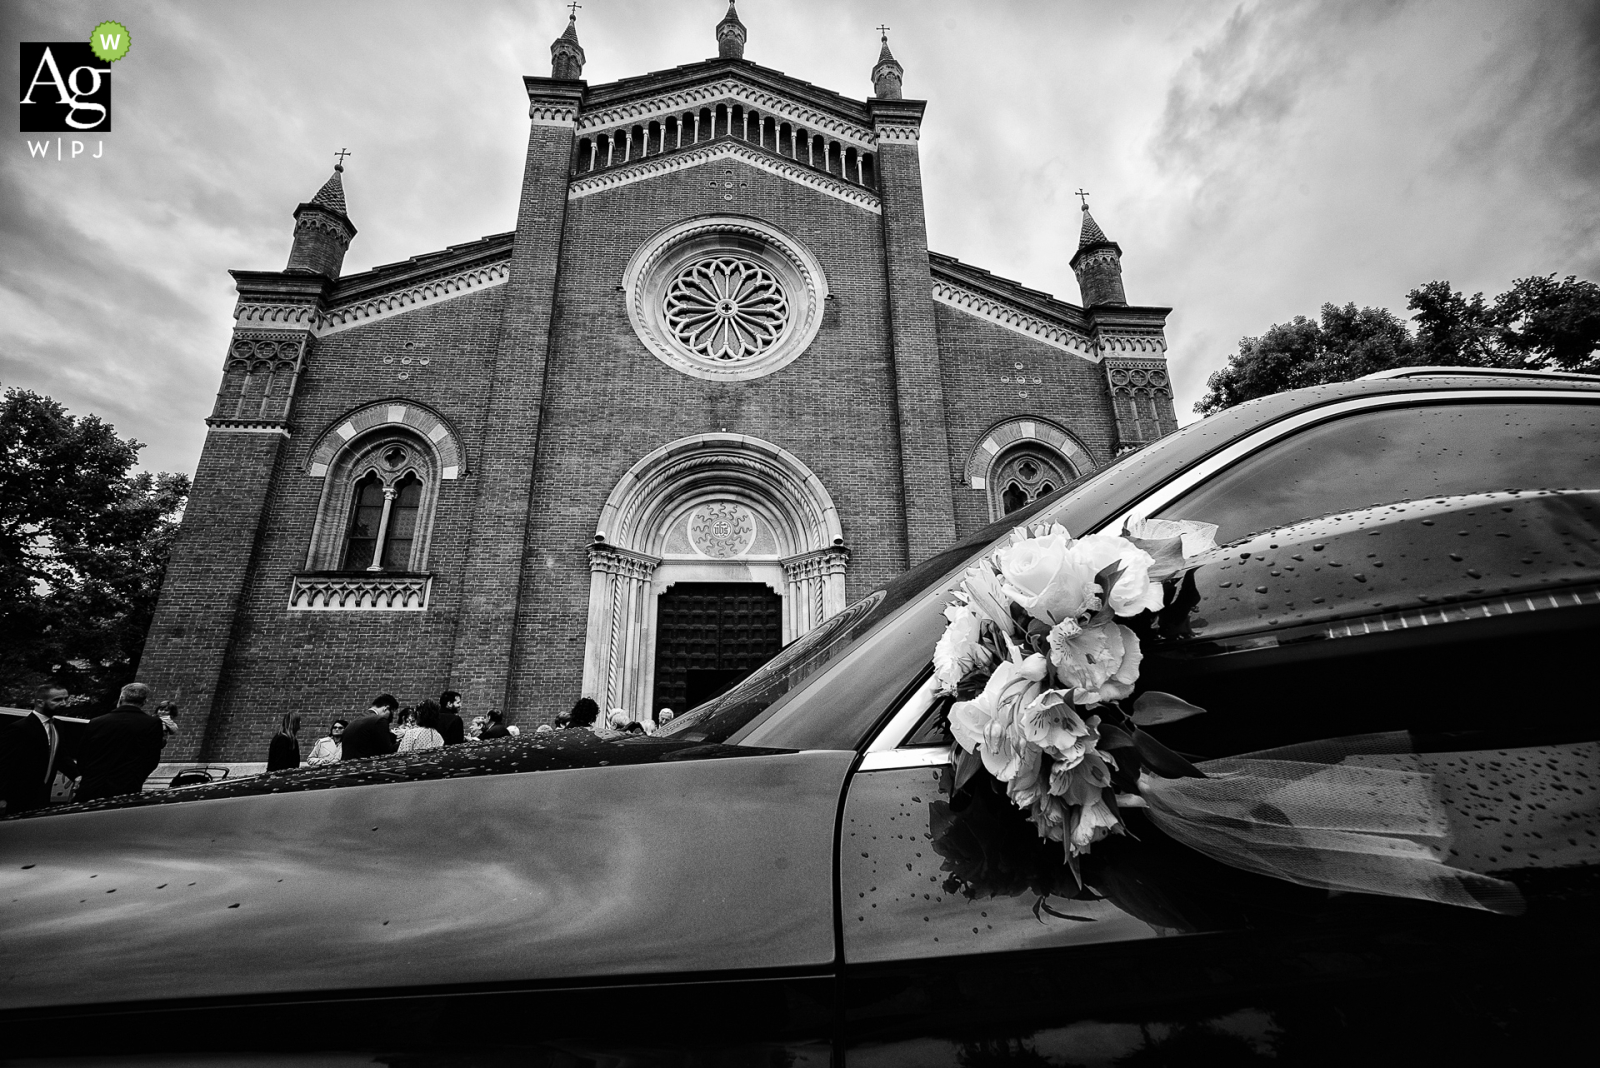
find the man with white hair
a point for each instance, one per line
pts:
(121, 748)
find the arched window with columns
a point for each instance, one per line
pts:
(1021, 460)
(710, 514)
(381, 469)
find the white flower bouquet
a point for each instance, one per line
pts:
(1038, 658)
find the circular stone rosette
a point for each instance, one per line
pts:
(725, 298)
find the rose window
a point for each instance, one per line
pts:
(726, 309)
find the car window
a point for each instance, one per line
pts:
(1388, 455)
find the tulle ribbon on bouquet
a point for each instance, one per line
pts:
(1370, 814)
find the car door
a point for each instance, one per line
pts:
(1172, 949)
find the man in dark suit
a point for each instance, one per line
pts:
(369, 734)
(32, 751)
(120, 749)
(451, 728)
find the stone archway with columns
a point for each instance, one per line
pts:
(708, 508)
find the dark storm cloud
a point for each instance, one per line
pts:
(1253, 159)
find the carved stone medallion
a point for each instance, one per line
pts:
(722, 530)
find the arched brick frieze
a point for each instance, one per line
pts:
(707, 508)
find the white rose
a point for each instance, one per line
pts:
(1044, 578)
(959, 651)
(987, 725)
(1100, 664)
(1133, 591)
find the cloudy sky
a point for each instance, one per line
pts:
(1254, 160)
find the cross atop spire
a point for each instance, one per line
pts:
(1083, 196)
(887, 72)
(566, 54)
(731, 34)
(342, 153)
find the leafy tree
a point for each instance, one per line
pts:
(1346, 344)
(1540, 323)
(1550, 325)
(83, 547)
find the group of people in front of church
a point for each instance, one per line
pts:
(117, 751)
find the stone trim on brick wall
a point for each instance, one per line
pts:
(242, 426)
(1028, 428)
(1015, 319)
(424, 421)
(370, 308)
(729, 91)
(357, 593)
(656, 166)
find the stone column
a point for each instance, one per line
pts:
(814, 589)
(616, 666)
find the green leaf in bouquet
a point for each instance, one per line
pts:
(1154, 707)
(1114, 737)
(1166, 552)
(1161, 760)
(1042, 905)
(967, 765)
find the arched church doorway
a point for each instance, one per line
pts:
(711, 554)
(709, 636)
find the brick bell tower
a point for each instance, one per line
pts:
(247, 433)
(1130, 339)
(485, 633)
(914, 345)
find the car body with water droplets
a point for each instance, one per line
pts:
(768, 880)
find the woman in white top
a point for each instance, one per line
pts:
(328, 750)
(425, 735)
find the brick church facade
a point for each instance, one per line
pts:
(710, 389)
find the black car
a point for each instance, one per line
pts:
(787, 877)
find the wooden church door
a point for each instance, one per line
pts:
(709, 636)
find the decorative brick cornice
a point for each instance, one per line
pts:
(247, 426)
(435, 290)
(1150, 343)
(552, 102)
(898, 134)
(1019, 320)
(729, 90)
(552, 114)
(281, 316)
(656, 166)
(357, 593)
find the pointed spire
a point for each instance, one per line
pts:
(1091, 233)
(331, 195)
(887, 74)
(1097, 263)
(566, 54)
(731, 34)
